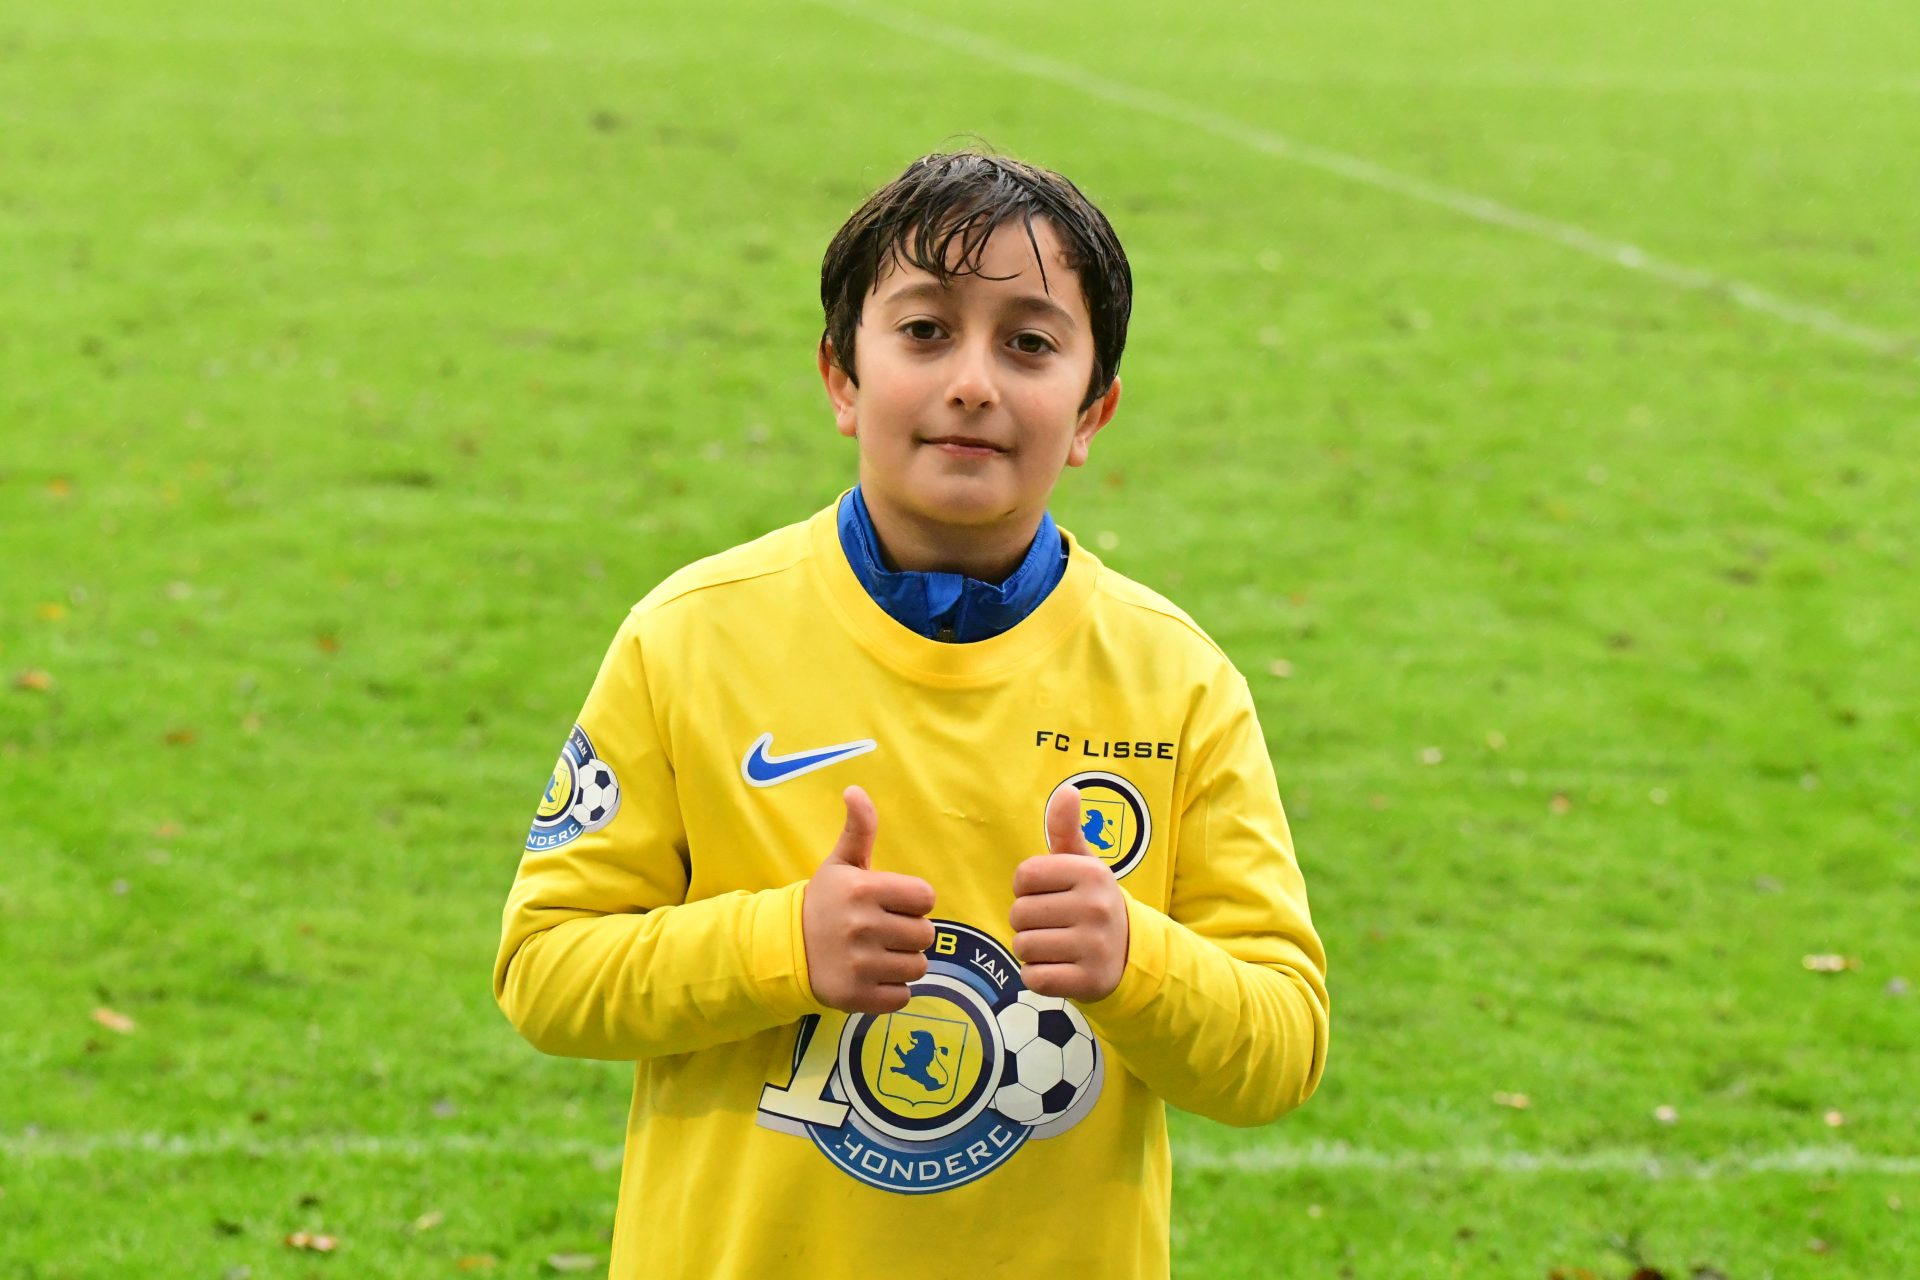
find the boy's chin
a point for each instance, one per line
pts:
(965, 505)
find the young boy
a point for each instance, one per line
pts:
(940, 1045)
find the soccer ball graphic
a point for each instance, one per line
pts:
(1047, 1052)
(596, 796)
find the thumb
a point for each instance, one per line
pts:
(1063, 823)
(855, 846)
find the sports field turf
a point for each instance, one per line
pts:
(1523, 393)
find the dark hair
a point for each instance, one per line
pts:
(966, 196)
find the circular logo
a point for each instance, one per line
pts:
(922, 1072)
(1114, 819)
(935, 1095)
(582, 795)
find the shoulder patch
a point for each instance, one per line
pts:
(582, 795)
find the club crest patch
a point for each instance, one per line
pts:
(582, 795)
(948, 1088)
(1114, 819)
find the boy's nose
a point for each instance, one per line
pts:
(972, 386)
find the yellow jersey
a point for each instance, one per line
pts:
(983, 1130)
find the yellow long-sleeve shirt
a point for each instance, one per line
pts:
(982, 1131)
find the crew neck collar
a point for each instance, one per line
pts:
(980, 661)
(953, 608)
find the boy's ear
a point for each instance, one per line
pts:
(842, 392)
(1097, 415)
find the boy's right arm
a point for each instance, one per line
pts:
(601, 956)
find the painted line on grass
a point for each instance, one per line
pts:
(1307, 1157)
(1358, 169)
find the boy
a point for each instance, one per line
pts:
(955, 1066)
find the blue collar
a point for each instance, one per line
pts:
(951, 606)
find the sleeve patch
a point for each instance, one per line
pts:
(582, 795)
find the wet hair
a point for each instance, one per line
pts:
(962, 198)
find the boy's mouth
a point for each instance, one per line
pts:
(966, 446)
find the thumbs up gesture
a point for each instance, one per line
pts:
(1069, 916)
(864, 930)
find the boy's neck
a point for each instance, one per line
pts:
(988, 552)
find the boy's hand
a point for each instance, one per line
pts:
(1069, 916)
(864, 930)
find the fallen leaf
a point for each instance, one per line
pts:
(573, 1261)
(52, 611)
(113, 1020)
(60, 487)
(1829, 964)
(328, 642)
(1560, 803)
(428, 1221)
(1647, 1273)
(1518, 1101)
(181, 737)
(1280, 667)
(1431, 755)
(1665, 1114)
(1817, 1245)
(478, 1262)
(1834, 1119)
(33, 681)
(166, 831)
(312, 1243)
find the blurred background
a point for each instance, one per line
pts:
(1523, 394)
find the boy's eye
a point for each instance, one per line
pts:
(921, 330)
(1032, 344)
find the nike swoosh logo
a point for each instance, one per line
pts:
(763, 769)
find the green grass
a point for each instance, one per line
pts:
(360, 365)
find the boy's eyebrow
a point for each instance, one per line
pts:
(933, 291)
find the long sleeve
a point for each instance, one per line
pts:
(1222, 1008)
(600, 954)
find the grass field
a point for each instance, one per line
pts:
(1524, 394)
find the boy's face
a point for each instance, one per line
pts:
(968, 404)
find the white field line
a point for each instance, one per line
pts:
(1357, 169)
(1310, 1157)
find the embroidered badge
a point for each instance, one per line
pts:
(582, 795)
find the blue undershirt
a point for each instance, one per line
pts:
(951, 606)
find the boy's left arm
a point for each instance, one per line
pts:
(1222, 1004)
